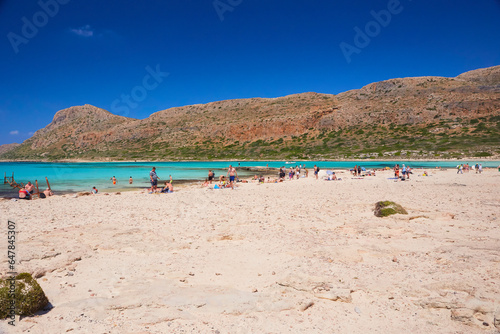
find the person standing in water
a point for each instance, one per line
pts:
(130, 181)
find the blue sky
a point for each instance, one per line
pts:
(134, 58)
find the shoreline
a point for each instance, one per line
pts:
(251, 160)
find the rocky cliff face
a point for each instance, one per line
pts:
(430, 116)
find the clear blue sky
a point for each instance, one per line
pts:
(97, 51)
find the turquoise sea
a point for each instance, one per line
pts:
(72, 177)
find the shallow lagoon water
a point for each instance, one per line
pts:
(73, 177)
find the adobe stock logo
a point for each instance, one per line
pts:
(139, 93)
(372, 29)
(30, 29)
(225, 6)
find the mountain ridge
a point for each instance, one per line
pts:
(453, 116)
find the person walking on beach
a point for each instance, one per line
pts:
(232, 175)
(316, 171)
(153, 178)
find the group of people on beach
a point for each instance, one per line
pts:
(29, 190)
(225, 181)
(405, 171)
(153, 179)
(477, 167)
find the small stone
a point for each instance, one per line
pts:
(357, 310)
(255, 290)
(218, 274)
(485, 323)
(273, 273)
(191, 274)
(395, 259)
(70, 273)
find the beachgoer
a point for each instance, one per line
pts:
(408, 172)
(232, 175)
(477, 168)
(480, 168)
(359, 170)
(169, 188)
(130, 180)
(316, 171)
(396, 171)
(307, 172)
(47, 192)
(30, 188)
(114, 180)
(24, 194)
(210, 176)
(205, 184)
(94, 190)
(297, 172)
(153, 178)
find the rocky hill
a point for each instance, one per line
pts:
(432, 117)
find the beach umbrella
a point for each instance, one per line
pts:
(363, 169)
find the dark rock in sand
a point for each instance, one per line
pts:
(387, 208)
(29, 297)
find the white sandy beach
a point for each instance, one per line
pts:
(303, 256)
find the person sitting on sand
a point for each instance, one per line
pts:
(47, 192)
(30, 188)
(205, 184)
(94, 190)
(169, 188)
(130, 180)
(24, 194)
